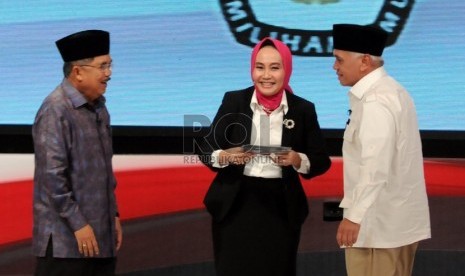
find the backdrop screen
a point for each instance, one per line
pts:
(177, 57)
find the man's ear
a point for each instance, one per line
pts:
(366, 63)
(77, 72)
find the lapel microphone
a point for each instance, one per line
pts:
(348, 120)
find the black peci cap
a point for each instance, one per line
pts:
(360, 39)
(85, 44)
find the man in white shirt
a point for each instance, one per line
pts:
(385, 203)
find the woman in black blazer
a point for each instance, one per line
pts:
(256, 200)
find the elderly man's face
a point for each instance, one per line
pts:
(94, 76)
(348, 67)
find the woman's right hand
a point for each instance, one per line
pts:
(235, 156)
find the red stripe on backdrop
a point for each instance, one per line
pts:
(16, 211)
(165, 190)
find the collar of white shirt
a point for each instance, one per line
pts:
(256, 107)
(360, 88)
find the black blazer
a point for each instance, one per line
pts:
(232, 128)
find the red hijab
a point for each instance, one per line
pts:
(272, 102)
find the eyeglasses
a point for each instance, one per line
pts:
(102, 67)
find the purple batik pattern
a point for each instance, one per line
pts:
(73, 180)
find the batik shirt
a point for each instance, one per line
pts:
(73, 180)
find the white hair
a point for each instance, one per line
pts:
(377, 60)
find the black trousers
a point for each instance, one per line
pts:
(50, 266)
(256, 237)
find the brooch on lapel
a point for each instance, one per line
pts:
(289, 123)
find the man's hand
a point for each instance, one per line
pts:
(347, 233)
(119, 233)
(86, 241)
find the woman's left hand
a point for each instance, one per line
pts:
(290, 158)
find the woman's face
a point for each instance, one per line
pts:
(268, 73)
